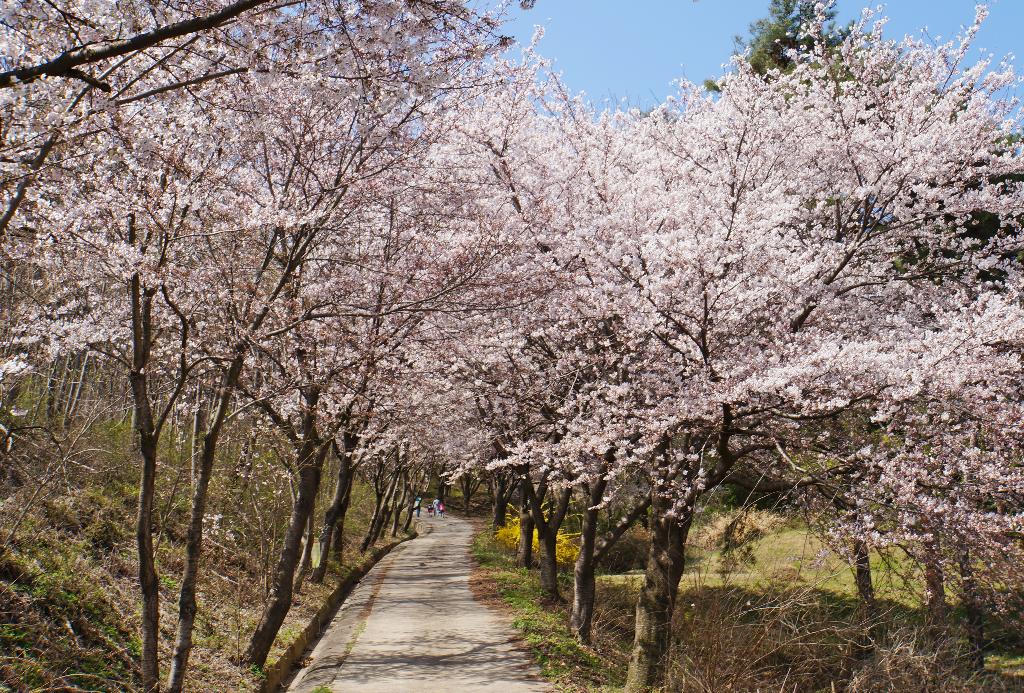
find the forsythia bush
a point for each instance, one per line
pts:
(507, 536)
(566, 547)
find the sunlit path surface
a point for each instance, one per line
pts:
(413, 624)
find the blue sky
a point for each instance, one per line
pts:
(634, 49)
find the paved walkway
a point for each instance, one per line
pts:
(412, 625)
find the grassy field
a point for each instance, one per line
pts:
(792, 554)
(783, 614)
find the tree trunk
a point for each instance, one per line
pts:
(337, 508)
(310, 460)
(866, 593)
(524, 556)
(187, 607)
(657, 600)
(974, 611)
(399, 506)
(408, 512)
(414, 493)
(862, 577)
(549, 566)
(149, 438)
(584, 590)
(198, 426)
(385, 511)
(148, 582)
(499, 501)
(307, 550)
(76, 390)
(935, 590)
(385, 516)
(469, 485)
(51, 392)
(379, 492)
(380, 513)
(391, 507)
(547, 534)
(592, 551)
(338, 542)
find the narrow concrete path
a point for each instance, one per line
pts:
(412, 624)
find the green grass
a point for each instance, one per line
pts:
(63, 624)
(1006, 665)
(542, 624)
(793, 555)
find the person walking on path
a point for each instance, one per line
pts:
(440, 508)
(416, 505)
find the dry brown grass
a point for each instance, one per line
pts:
(743, 626)
(780, 638)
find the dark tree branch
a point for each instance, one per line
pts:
(67, 63)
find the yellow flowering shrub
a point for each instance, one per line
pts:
(508, 536)
(566, 546)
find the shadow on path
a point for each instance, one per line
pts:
(413, 623)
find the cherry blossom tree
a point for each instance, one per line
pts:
(384, 244)
(64, 64)
(796, 207)
(937, 474)
(745, 265)
(308, 108)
